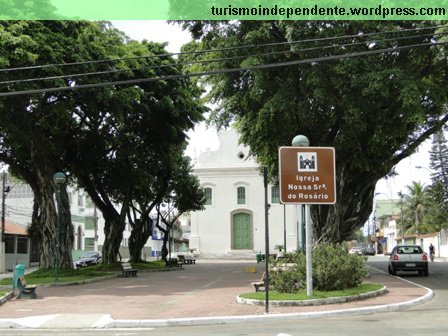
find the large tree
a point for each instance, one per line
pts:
(375, 109)
(183, 194)
(150, 193)
(103, 136)
(33, 127)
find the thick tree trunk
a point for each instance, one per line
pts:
(45, 230)
(66, 233)
(114, 221)
(141, 231)
(43, 227)
(114, 225)
(165, 247)
(336, 223)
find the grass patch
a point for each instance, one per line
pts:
(2, 294)
(116, 267)
(47, 281)
(47, 276)
(156, 264)
(273, 295)
(44, 276)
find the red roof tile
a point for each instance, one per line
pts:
(14, 229)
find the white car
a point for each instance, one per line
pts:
(355, 250)
(408, 258)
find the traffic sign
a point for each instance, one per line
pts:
(307, 175)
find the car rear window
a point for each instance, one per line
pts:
(409, 250)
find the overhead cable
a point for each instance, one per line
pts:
(221, 71)
(332, 38)
(76, 75)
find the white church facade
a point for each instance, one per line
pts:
(233, 222)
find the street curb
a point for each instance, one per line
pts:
(277, 317)
(107, 322)
(6, 297)
(313, 302)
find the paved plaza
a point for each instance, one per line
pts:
(202, 293)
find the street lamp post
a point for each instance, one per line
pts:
(375, 244)
(59, 179)
(400, 194)
(302, 141)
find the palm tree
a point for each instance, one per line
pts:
(416, 205)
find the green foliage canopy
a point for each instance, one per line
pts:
(112, 139)
(375, 110)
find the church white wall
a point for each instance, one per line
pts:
(224, 170)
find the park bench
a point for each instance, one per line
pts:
(260, 283)
(25, 290)
(172, 262)
(128, 270)
(187, 260)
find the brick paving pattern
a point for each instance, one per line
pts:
(206, 289)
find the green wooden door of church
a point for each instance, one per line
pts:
(242, 232)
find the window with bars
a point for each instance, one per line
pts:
(241, 195)
(22, 245)
(208, 195)
(9, 244)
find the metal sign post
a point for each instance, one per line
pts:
(307, 176)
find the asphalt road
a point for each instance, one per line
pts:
(427, 319)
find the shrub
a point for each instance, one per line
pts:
(288, 275)
(333, 269)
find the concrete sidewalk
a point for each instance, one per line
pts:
(204, 293)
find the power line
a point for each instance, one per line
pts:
(222, 71)
(332, 38)
(75, 75)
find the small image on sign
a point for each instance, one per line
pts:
(307, 162)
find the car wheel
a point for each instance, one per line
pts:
(425, 272)
(391, 270)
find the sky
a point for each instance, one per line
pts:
(203, 139)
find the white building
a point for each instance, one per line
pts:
(233, 222)
(389, 233)
(88, 224)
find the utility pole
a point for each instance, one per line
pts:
(3, 206)
(5, 191)
(2, 240)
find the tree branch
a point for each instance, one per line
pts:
(425, 136)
